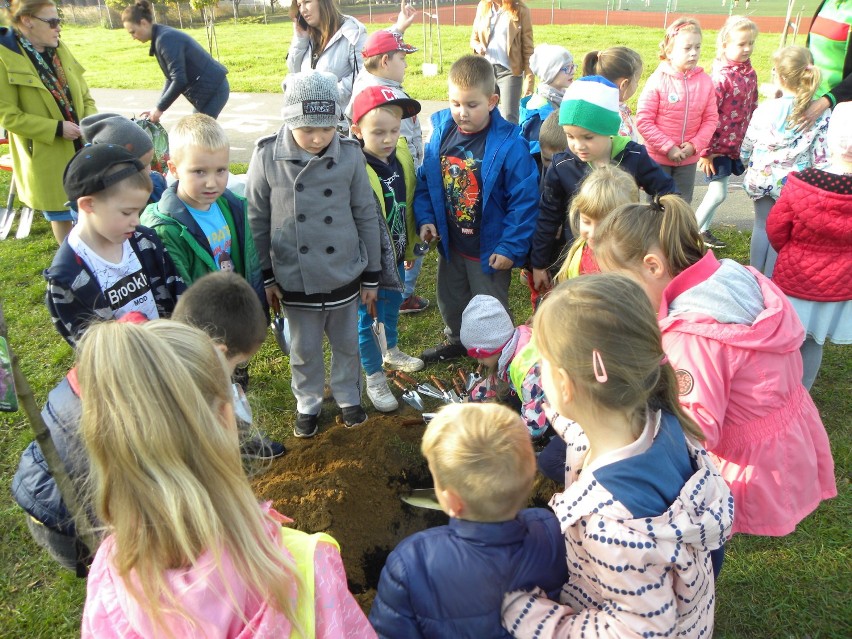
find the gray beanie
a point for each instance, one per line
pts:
(310, 99)
(485, 327)
(112, 128)
(547, 59)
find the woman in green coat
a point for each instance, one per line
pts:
(43, 97)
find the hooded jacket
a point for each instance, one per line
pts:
(735, 85)
(675, 108)
(30, 115)
(734, 340)
(509, 191)
(640, 524)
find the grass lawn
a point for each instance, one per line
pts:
(798, 586)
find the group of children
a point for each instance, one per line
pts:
(672, 380)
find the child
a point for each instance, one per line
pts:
(202, 224)
(376, 119)
(551, 140)
(643, 506)
(449, 581)
(314, 220)
(112, 128)
(509, 356)
(623, 67)
(476, 191)
(677, 108)
(733, 339)
(775, 145)
(735, 83)
(590, 117)
(601, 192)
(189, 551)
(108, 265)
(810, 228)
(554, 67)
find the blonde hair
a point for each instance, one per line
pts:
(473, 72)
(795, 70)
(603, 190)
(609, 318)
(483, 453)
(198, 131)
(551, 134)
(613, 64)
(17, 9)
(681, 25)
(732, 25)
(166, 471)
(629, 233)
(330, 20)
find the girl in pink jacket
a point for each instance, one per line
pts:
(677, 113)
(734, 341)
(190, 553)
(644, 508)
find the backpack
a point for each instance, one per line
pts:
(160, 138)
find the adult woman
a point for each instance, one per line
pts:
(44, 97)
(326, 40)
(188, 68)
(830, 43)
(502, 32)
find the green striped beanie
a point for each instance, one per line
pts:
(591, 103)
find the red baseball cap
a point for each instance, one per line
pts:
(385, 41)
(375, 96)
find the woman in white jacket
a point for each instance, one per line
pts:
(326, 40)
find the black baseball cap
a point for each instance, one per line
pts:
(86, 172)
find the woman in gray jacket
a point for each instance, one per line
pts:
(188, 68)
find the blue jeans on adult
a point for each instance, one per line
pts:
(387, 312)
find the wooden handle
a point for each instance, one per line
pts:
(412, 422)
(462, 375)
(399, 385)
(406, 378)
(458, 387)
(437, 382)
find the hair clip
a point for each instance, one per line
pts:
(664, 360)
(598, 366)
(810, 67)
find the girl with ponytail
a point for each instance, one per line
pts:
(644, 509)
(733, 339)
(775, 145)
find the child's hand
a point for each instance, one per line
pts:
(368, 299)
(687, 149)
(273, 297)
(406, 17)
(675, 154)
(541, 279)
(706, 165)
(479, 48)
(499, 262)
(428, 232)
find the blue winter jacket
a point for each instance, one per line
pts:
(509, 191)
(531, 121)
(449, 581)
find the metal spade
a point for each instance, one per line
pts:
(410, 397)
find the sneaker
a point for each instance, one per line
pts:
(443, 352)
(306, 425)
(379, 393)
(353, 416)
(711, 241)
(414, 304)
(397, 360)
(261, 447)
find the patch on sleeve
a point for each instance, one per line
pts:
(685, 381)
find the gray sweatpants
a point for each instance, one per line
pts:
(458, 281)
(307, 365)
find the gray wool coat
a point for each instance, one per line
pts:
(315, 226)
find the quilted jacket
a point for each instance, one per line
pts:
(675, 108)
(811, 228)
(735, 84)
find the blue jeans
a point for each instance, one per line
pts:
(387, 310)
(411, 276)
(216, 103)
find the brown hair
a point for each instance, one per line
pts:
(613, 64)
(681, 25)
(609, 318)
(138, 11)
(795, 70)
(330, 20)
(473, 72)
(629, 233)
(551, 134)
(17, 9)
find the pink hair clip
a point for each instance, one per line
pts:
(598, 366)
(810, 67)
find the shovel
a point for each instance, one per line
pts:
(281, 329)
(378, 330)
(445, 395)
(25, 223)
(410, 397)
(421, 387)
(473, 379)
(7, 215)
(422, 498)
(459, 390)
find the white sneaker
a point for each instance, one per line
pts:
(400, 361)
(379, 393)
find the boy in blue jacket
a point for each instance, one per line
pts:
(449, 581)
(477, 191)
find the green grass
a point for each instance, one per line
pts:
(798, 586)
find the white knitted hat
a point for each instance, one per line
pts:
(310, 99)
(547, 60)
(486, 326)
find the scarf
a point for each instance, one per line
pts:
(554, 96)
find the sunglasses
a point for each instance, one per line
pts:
(569, 69)
(53, 23)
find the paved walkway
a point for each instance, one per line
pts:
(249, 116)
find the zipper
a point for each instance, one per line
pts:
(686, 111)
